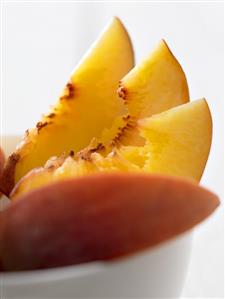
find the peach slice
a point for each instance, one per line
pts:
(177, 142)
(157, 84)
(88, 105)
(99, 217)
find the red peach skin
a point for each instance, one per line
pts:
(98, 217)
(2, 161)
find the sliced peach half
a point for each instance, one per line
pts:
(177, 143)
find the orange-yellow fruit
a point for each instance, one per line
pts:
(157, 84)
(90, 113)
(177, 142)
(88, 106)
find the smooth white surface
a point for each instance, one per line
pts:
(140, 276)
(43, 42)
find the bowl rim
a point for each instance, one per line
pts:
(51, 274)
(81, 270)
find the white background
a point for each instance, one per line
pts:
(42, 43)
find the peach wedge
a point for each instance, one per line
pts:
(99, 217)
(177, 143)
(157, 84)
(178, 140)
(88, 105)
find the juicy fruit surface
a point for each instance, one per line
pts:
(88, 105)
(114, 162)
(116, 215)
(177, 142)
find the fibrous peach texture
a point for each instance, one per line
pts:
(177, 142)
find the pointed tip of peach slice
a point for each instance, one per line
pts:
(92, 84)
(99, 217)
(157, 84)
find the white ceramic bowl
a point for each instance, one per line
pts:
(156, 273)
